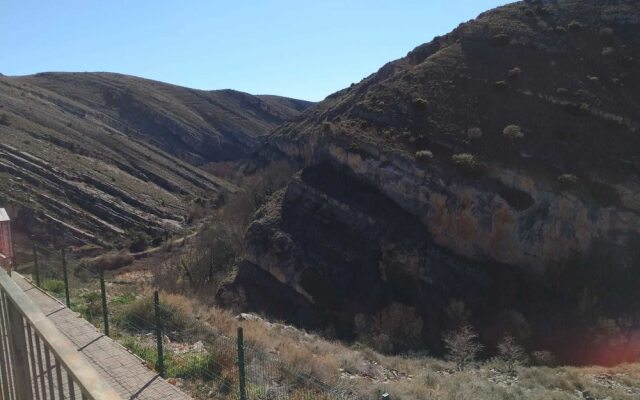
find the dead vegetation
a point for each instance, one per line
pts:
(369, 373)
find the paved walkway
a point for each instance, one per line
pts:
(126, 374)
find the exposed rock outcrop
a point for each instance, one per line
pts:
(538, 225)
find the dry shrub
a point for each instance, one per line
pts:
(513, 132)
(543, 358)
(176, 313)
(467, 163)
(567, 181)
(424, 155)
(511, 354)
(107, 262)
(396, 328)
(462, 346)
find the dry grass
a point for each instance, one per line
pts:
(370, 373)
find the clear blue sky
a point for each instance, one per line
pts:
(306, 49)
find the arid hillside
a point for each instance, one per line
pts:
(492, 175)
(105, 158)
(195, 125)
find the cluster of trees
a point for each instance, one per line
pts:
(204, 261)
(463, 348)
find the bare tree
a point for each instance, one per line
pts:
(462, 346)
(511, 354)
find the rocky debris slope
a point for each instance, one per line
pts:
(496, 165)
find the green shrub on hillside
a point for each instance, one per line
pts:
(584, 108)
(139, 241)
(500, 85)
(90, 305)
(183, 366)
(424, 155)
(54, 286)
(4, 120)
(567, 181)
(500, 39)
(513, 132)
(560, 30)
(421, 103)
(574, 26)
(468, 163)
(140, 314)
(514, 72)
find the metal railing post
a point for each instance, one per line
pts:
(30, 343)
(241, 370)
(36, 267)
(160, 360)
(19, 354)
(65, 277)
(105, 309)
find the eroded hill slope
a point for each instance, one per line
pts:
(99, 158)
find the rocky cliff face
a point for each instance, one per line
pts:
(413, 190)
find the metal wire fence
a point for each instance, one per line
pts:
(189, 352)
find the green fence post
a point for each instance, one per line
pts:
(36, 266)
(160, 361)
(105, 310)
(66, 277)
(241, 371)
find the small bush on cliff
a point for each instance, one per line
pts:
(467, 163)
(574, 26)
(514, 72)
(139, 241)
(462, 346)
(4, 120)
(424, 155)
(560, 30)
(513, 132)
(567, 181)
(420, 103)
(500, 85)
(500, 39)
(584, 108)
